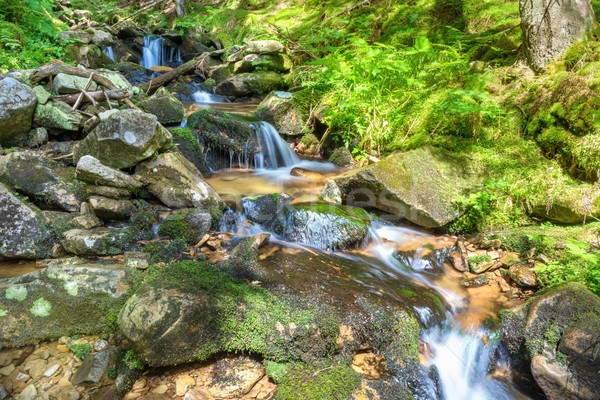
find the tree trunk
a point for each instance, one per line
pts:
(180, 7)
(550, 27)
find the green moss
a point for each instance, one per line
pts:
(165, 253)
(319, 382)
(277, 371)
(81, 350)
(176, 226)
(476, 260)
(132, 360)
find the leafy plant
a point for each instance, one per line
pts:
(81, 350)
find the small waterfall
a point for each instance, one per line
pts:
(155, 53)
(109, 52)
(274, 151)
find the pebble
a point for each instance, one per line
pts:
(7, 357)
(162, 389)
(100, 345)
(61, 348)
(181, 384)
(27, 394)
(52, 370)
(7, 370)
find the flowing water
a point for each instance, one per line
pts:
(109, 52)
(156, 53)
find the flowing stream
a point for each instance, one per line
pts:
(156, 53)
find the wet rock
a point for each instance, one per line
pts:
(420, 185)
(342, 157)
(265, 209)
(480, 280)
(198, 394)
(46, 181)
(459, 257)
(264, 47)
(123, 139)
(58, 116)
(81, 36)
(510, 259)
(111, 209)
(17, 105)
(175, 181)
(325, 226)
(66, 84)
(164, 106)
(332, 192)
(556, 335)
(549, 28)
(235, 377)
(220, 73)
(190, 225)
(192, 148)
(93, 242)
(523, 276)
(90, 170)
(3, 393)
(62, 299)
(182, 383)
(25, 234)
(93, 368)
(28, 393)
(283, 111)
(256, 83)
(137, 259)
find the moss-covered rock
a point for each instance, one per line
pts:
(557, 335)
(265, 209)
(263, 62)
(165, 106)
(190, 311)
(256, 83)
(58, 116)
(60, 300)
(93, 242)
(190, 225)
(284, 112)
(342, 157)
(112, 209)
(65, 83)
(88, 55)
(573, 205)
(191, 147)
(420, 185)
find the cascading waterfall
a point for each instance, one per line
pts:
(274, 151)
(155, 53)
(109, 52)
(206, 98)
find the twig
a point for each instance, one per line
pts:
(86, 114)
(86, 94)
(325, 369)
(64, 156)
(87, 86)
(348, 10)
(107, 99)
(295, 245)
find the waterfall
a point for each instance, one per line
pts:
(274, 151)
(203, 97)
(155, 53)
(109, 52)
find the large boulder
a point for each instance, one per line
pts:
(269, 62)
(112, 209)
(58, 116)
(101, 38)
(60, 300)
(175, 181)
(191, 147)
(17, 105)
(23, 229)
(557, 336)
(190, 311)
(165, 106)
(420, 185)
(123, 139)
(550, 27)
(47, 182)
(189, 224)
(90, 170)
(88, 55)
(572, 206)
(283, 111)
(256, 83)
(264, 47)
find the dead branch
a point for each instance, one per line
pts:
(98, 95)
(80, 97)
(162, 80)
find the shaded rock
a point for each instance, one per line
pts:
(265, 209)
(522, 276)
(175, 181)
(331, 192)
(190, 225)
(220, 72)
(81, 36)
(3, 393)
(88, 55)
(108, 191)
(556, 335)
(37, 137)
(17, 105)
(137, 259)
(123, 139)
(58, 116)
(342, 157)
(282, 110)
(165, 106)
(253, 62)
(194, 44)
(192, 148)
(256, 83)
(93, 242)
(65, 84)
(93, 368)
(264, 47)
(60, 300)
(111, 209)
(46, 181)
(90, 170)
(101, 38)
(234, 377)
(549, 28)
(420, 185)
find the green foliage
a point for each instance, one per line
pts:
(276, 371)
(81, 350)
(473, 210)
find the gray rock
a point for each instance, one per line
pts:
(342, 157)
(189, 224)
(37, 137)
(3, 393)
(283, 111)
(420, 185)
(80, 36)
(93, 242)
(551, 27)
(256, 83)
(331, 192)
(123, 139)
(264, 47)
(269, 62)
(265, 209)
(523, 276)
(117, 79)
(61, 300)
(42, 94)
(108, 191)
(101, 38)
(58, 116)
(66, 84)
(90, 170)
(17, 105)
(165, 106)
(46, 181)
(112, 209)
(28, 393)
(137, 259)
(93, 368)
(175, 181)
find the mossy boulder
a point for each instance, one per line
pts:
(342, 157)
(112, 209)
(264, 47)
(263, 62)
(124, 138)
(66, 84)
(191, 147)
(165, 106)
(557, 334)
(284, 112)
(88, 55)
(49, 183)
(256, 83)
(190, 225)
(190, 311)
(325, 226)
(420, 185)
(60, 300)
(93, 242)
(17, 105)
(24, 231)
(575, 204)
(58, 116)
(265, 209)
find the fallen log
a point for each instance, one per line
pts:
(98, 95)
(162, 80)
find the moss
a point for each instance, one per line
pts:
(139, 229)
(476, 260)
(81, 350)
(177, 226)
(165, 253)
(325, 381)
(277, 371)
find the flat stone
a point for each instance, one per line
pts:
(81, 36)
(7, 356)
(42, 94)
(161, 389)
(137, 259)
(28, 393)
(182, 382)
(93, 368)
(112, 209)
(52, 370)
(6, 371)
(66, 84)
(234, 377)
(91, 170)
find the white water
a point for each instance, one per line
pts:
(206, 98)
(155, 53)
(109, 52)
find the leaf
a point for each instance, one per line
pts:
(422, 44)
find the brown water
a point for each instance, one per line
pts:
(9, 269)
